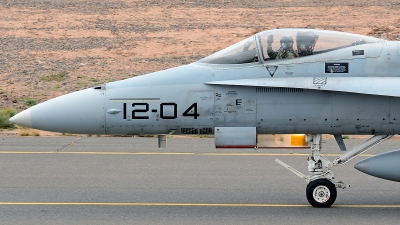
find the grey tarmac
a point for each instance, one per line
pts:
(125, 180)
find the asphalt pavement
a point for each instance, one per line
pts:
(125, 180)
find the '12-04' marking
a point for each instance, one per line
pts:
(143, 108)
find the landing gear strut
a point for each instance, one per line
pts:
(321, 189)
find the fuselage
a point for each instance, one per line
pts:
(184, 100)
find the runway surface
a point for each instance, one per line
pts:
(121, 180)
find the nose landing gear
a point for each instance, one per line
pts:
(321, 190)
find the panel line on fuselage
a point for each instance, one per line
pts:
(134, 99)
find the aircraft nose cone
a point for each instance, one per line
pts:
(23, 118)
(80, 112)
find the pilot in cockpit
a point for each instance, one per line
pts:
(305, 42)
(285, 51)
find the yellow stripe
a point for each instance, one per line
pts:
(148, 204)
(185, 204)
(366, 206)
(177, 153)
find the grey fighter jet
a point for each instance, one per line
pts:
(284, 81)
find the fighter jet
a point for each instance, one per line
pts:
(283, 81)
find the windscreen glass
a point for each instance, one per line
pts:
(239, 53)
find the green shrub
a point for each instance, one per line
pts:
(5, 115)
(55, 76)
(29, 101)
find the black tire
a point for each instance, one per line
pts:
(321, 193)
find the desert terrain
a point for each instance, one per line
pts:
(53, 47)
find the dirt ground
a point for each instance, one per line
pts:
(50, 48)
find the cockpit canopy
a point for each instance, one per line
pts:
(285, 44)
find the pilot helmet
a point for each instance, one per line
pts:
(305, 42)
(288, 40)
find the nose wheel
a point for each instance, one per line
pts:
(321, 193)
